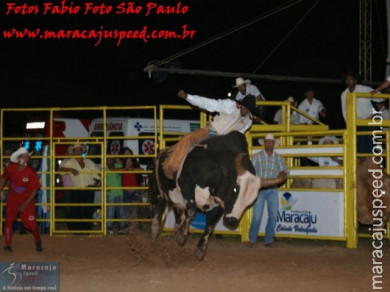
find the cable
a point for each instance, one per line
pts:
(285, 37)
(224, 34)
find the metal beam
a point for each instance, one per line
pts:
(150, 69)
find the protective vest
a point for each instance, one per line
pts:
(226, 123)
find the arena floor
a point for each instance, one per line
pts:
(132, 263)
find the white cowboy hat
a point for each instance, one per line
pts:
(328, 138)
(378, 100)
(240, 81)
(15, 156)
(70, 149)
(290, 99)
(269, 136)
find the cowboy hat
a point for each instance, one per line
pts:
(15, 156)
(240, 81)
(269, 136)
(249, 101)
(290, 99)
(71, 148)
(328, 138)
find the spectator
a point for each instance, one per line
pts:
(245, 88)
(363, 105)
(326, 161)
(312, 107)
(114, 196)
(268, 164)
(67, 183)
(81, 173)
(131, 195)
(294, 117)
(233, 116)
(380, 108)
(364, 110)
(22, 189)
(331, 183)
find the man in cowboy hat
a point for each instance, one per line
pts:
(294, 116)
(326, 161)
(232, 116)
(268, 164)
(23, 184)
(82, 172)
(245, 88)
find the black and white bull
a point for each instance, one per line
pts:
(216, 177)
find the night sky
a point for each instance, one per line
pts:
(70, 72)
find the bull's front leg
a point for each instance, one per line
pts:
(183, 225)
(212, 218)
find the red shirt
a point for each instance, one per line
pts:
(20, 183)
(129, 180)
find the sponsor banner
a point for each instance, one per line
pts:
(309, 213)
(29, 276)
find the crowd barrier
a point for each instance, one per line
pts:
(304, 213)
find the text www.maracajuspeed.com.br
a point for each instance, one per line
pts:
(100, 34)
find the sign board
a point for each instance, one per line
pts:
(29, 276)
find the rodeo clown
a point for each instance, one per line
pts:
(23, 184)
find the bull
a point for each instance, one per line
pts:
(216, 177)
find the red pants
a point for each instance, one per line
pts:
(28, 218)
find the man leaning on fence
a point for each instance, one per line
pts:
(83, 174)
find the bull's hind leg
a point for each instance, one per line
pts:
(157, 211)
(212, 218)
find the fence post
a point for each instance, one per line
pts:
(350, 172)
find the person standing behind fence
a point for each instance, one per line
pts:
(328, 161)
(268, 164)
(364, 110)
(67, 183)
(114, 196)
(81, 173)
(131, 195)
(294, 117)
(23, 184)
(312, 107)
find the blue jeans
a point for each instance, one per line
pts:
(115, 210)
(131, 212)
(270, 196)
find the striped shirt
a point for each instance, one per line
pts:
(268, 166)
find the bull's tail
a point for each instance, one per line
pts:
(238, 163)
(157, 200)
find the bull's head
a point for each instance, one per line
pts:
(249, 186)
(244, 193)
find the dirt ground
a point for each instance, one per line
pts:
(132, 263)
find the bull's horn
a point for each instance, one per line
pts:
(238, 163)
